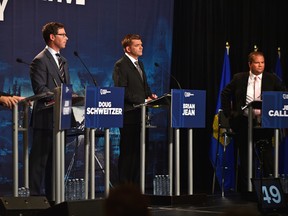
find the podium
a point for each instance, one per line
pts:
(182, 105)
(62, 111)
(187, 111)
(251, 106)
(164, 100)
(23, 128)
(103, 109)
(274, 106)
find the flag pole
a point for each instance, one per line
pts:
(225, 143)
(277, 134)
(227, 47)
(218, 138)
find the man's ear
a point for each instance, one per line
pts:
(127, 49)
(52, 37)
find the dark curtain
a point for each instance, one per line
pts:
(201, 29)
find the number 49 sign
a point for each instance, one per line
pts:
(271, 198)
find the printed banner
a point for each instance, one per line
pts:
(65, 107)
(275, 109)
(188, 108)
(104, 107)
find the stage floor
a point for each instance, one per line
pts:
(194, 205)
(230, 205)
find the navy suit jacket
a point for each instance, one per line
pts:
(136, 90)
(236, 92)
(45, 76)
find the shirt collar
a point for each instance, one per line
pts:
(251, 75)
(131, 58)
(52, 51)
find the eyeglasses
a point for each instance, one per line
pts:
(63, 35)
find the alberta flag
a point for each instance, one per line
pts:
(283, 143)
(217, 142)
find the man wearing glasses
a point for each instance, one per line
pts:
(48, 70)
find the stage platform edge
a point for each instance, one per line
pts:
(194, 199)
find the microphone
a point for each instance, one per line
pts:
(178, 84)
(19, 60)
(94, 81)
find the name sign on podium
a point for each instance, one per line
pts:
(275, 109)
(65, 106)
(188, 108)
(104, 107)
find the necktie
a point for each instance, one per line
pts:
(61, 66)
(139, 69)
(257, 93)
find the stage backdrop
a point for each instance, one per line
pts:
(95, 29)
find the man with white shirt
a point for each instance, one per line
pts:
(45, 74)
(244, 88)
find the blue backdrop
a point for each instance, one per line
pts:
(95, 29)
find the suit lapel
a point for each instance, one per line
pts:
(243, 87)
(134, 69)
(56, 71)
(265, 82)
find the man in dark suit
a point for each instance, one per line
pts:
(243, 89)
(46, 73)
(129, 73)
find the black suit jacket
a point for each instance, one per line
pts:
(236, 92)
(136, 90)
(45, 76)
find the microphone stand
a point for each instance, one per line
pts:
(174, 78)
(96, 85)
(19, 60)
(94, 81)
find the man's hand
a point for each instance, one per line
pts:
(152, 97)
(10, 101)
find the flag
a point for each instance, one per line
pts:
(283, 143)
(278, 67)
(217, 147)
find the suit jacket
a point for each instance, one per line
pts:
(45, 76)
(236, 92)
(136, 90)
